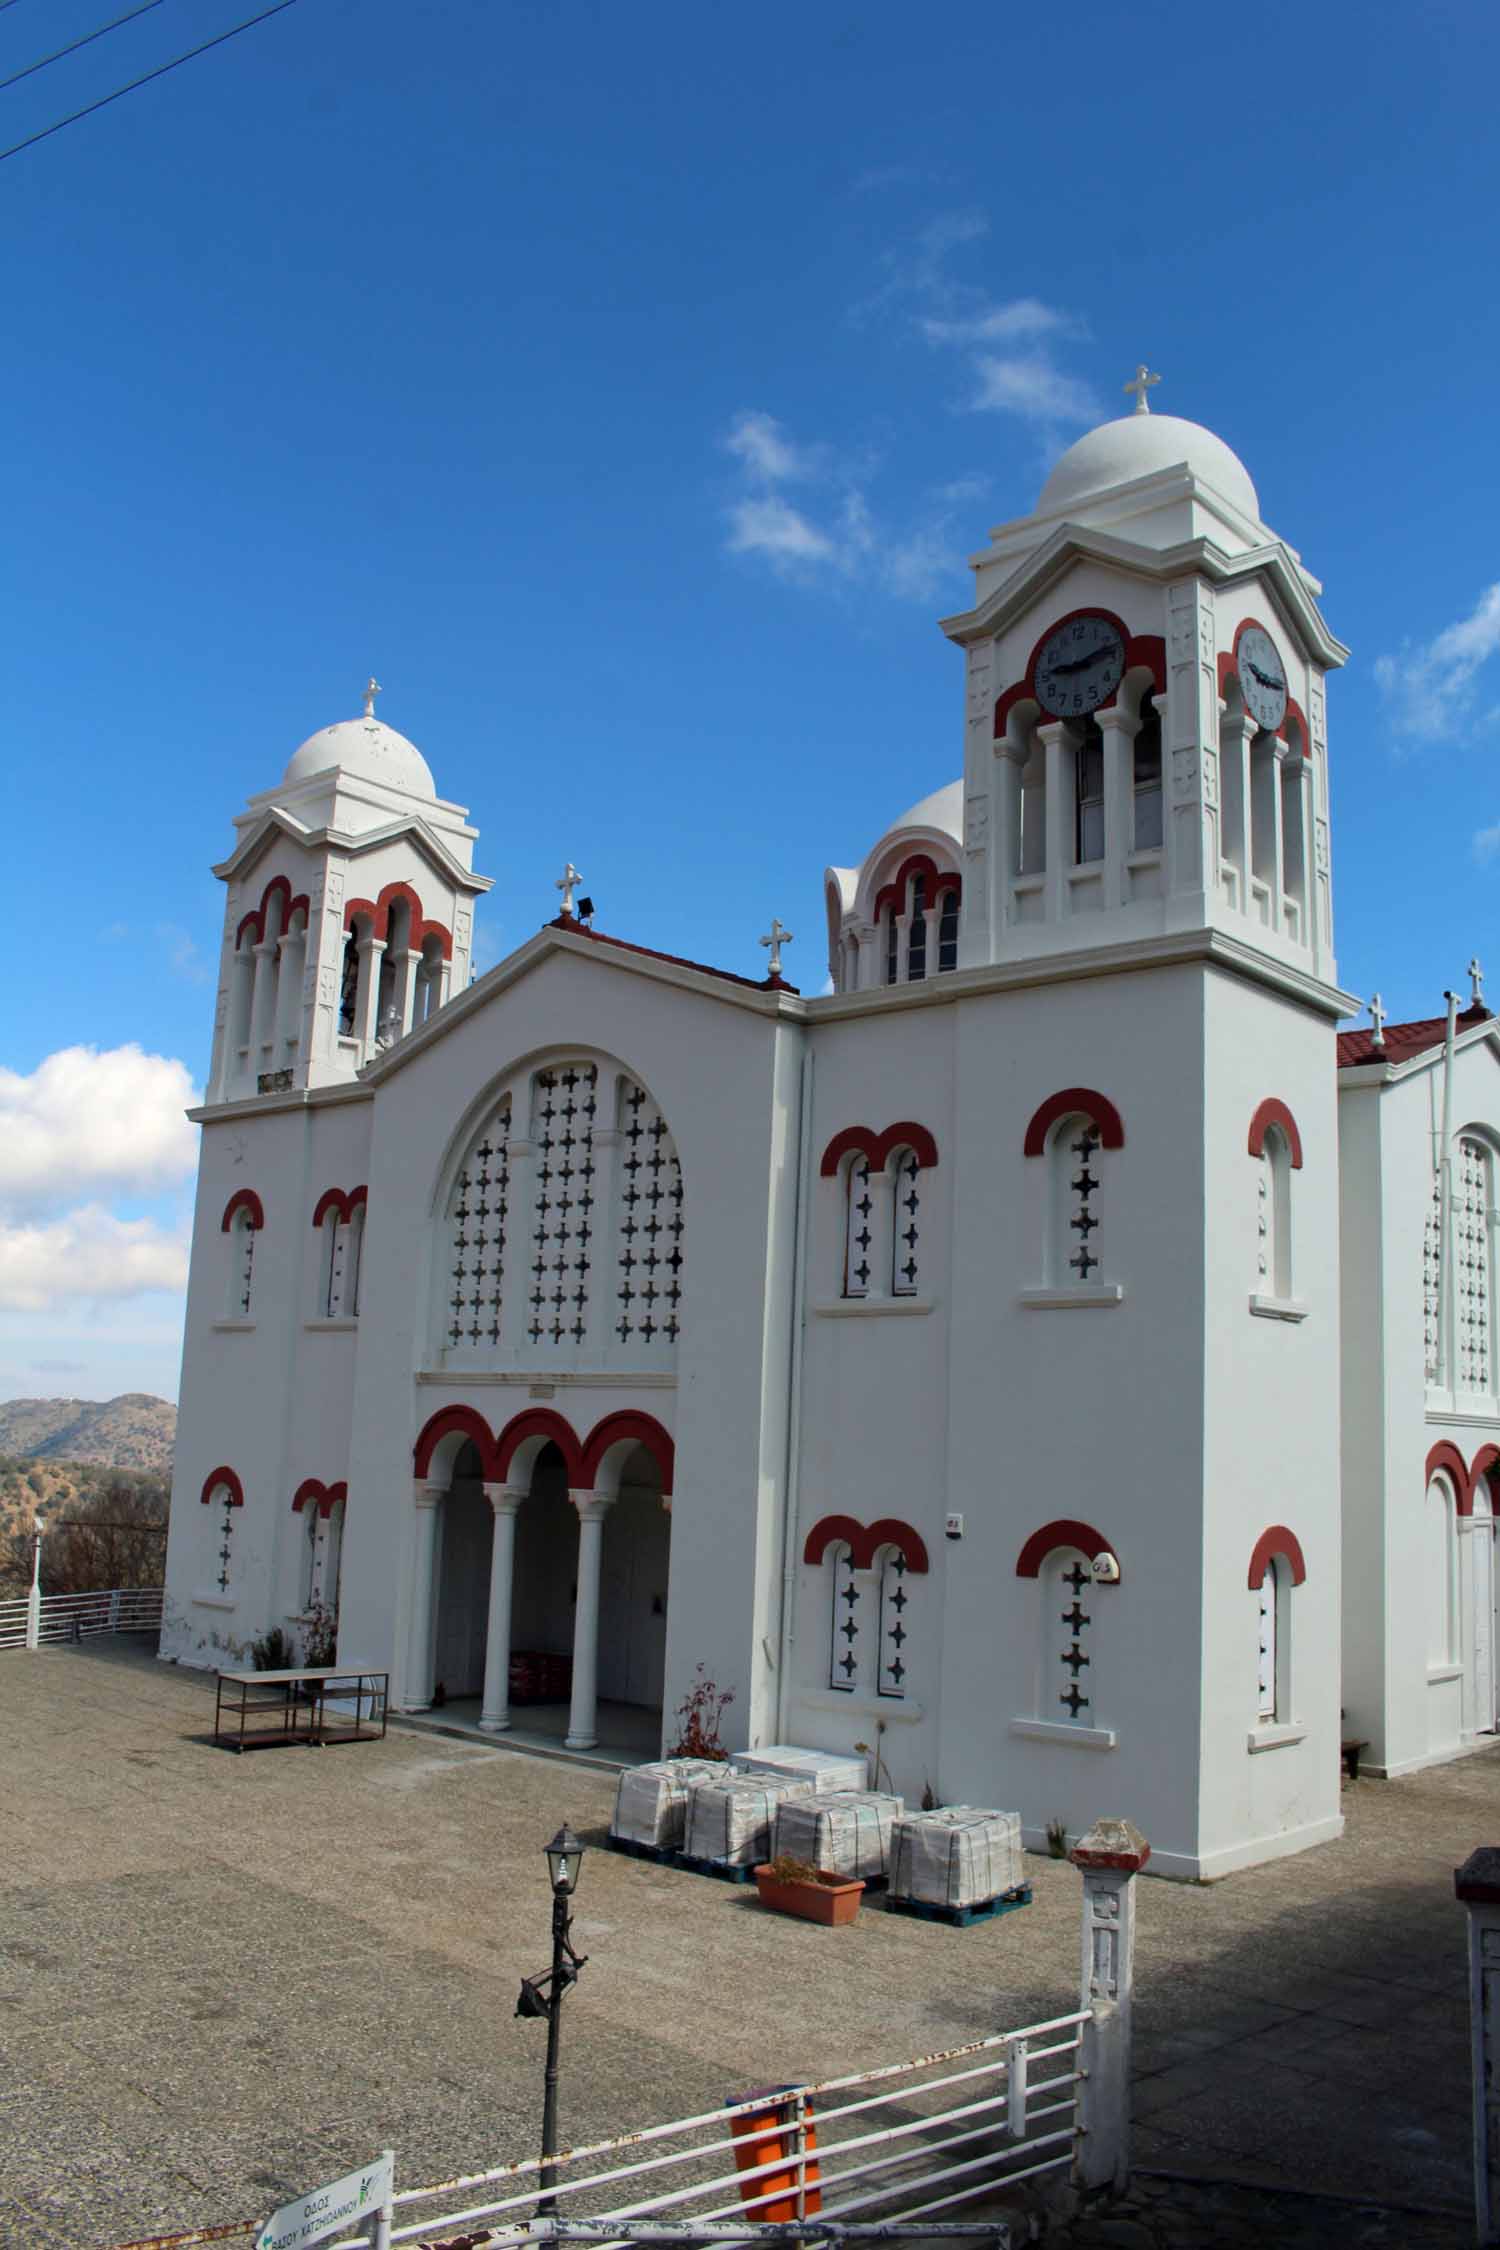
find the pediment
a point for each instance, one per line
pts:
(275, 821)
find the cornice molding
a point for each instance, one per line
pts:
(351, 845)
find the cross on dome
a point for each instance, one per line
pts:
(1142, 381)
(568, 882)
(776, 938)
(372, 689)
(1476, 983)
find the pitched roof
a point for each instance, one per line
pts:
(679, 961)
(1404, 1041)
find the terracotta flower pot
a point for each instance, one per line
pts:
(830, 1899)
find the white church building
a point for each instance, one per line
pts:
(1036, 1357)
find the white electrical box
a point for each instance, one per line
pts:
(954, 1527)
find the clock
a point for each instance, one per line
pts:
(1262, 676)
(1079, 666)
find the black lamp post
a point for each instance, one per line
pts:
(543, 1996)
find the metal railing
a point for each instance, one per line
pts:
(27, 1623)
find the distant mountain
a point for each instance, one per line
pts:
(134, 1431)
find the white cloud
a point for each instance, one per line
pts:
(1003, 324)
(1033, 388)
(87, 1122)
(87, 1253)
(848, 544)
(781, 533)
(1430, 686)
(767, 454)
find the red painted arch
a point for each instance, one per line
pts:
(539, 1422)
(1075, 1101)
(377, 912)
(1274, 1112)
(229, 1481)
(939, 879)
(243, 1199)
(454, 1421)
(878, 1148)
(325, 1497)
(1065, 1531)
(1276, 1540)
(1485, 1465)
(640, 1429)
(1446, 1456)
(255, 920)
(865, 1541)
(344, 1201)
(1143, 651)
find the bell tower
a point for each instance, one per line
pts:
(349, 912)
(1145, 735)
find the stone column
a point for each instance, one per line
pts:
(1109, 1858)
(1057, 742)
(1477, 1883)
(1005, 850)
(1235, 730)
(263, 998)
(1119, 730)
(494, 1715)
(367, 1000)
(592, 1508)
(427, 1496)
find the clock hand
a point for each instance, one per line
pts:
(1079, 663)
(1266, 679)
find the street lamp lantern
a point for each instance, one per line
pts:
(564, 1862)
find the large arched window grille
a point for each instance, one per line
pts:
(1473, 1264)
(478, 1236)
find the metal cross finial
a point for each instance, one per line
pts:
(568, 882)
(1476, 983)
(372, 689)
(776, 939)
(1377, 1017)
(1143, 381)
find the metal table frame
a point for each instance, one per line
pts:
(318, 1706)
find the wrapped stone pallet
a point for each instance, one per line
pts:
(826, 1770)
(731, 1817)
(960, 1856)
(651, 1801)
(847, 1832)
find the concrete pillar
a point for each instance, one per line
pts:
(1057, 740)
(367, 1000)
(494, 1714)
(1109, 1858)
(263, 998)
(592, 1508)
(1119, 730)
(427, 1497)
(1477, 1883)
(34, 1597)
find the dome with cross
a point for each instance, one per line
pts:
(1141, 445)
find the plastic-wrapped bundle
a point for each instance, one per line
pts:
(848, 1832)
(960, 1856)
(826, 1770)
(730, 1818)
(651, 1801)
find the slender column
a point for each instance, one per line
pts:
(494, 1715)
(865, 974)
(427, 1497)
(1235, 812)
(291, 952)
(1005, 853)
(407, 965)
(1278, 752)
(1477, 1883)
(261, 995)
(1119, 730)
(367, 1001)
(592, 1508)
(1109, 1858)
(1057, 744)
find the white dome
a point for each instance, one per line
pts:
(944, 809)
(1138, 445)
(369, 748)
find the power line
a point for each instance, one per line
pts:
(160, 72)
(73, 45)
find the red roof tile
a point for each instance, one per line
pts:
(1403, 1041)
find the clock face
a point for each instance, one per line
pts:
(1262, 677)
(1079, 667)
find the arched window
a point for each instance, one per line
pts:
(844, 1624)
(1276, 1566)
(916, 936)
(1068, 1687)
(349, 986)
(1147, 829)
(648, 1294)
(859, 1232)
(894, 1663)
(948, 930)
(307, 1592)
(354, 1252)
(1274, 1216)
(333, 1237)
(478, 1215)
(1088, 821)
(243, 1218)
(906, 1204)
(1432, 1282)
(223, 1492)
(1075, 1180)
(1268, 1607)
(1473, 1254)
(1441, 1573)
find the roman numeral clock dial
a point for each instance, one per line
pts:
(1079, 667)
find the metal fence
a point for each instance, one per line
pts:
(28, 1622)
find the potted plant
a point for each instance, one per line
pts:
(791, 1886)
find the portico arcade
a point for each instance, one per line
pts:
(536, 1538)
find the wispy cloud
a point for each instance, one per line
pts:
(1011, 323)
(781, 533)
(1431, 687)
(763, 449)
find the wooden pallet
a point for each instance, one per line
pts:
(724, 1869)
(959, 1917)
(663, 1855)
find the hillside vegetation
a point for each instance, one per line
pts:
(134, 1431)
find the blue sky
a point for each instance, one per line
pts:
(626, 388)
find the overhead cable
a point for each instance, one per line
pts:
(74, 44)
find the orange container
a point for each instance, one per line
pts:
(766, 2135)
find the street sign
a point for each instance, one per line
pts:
(312, 2218)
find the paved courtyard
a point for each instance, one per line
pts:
(225, 1979)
